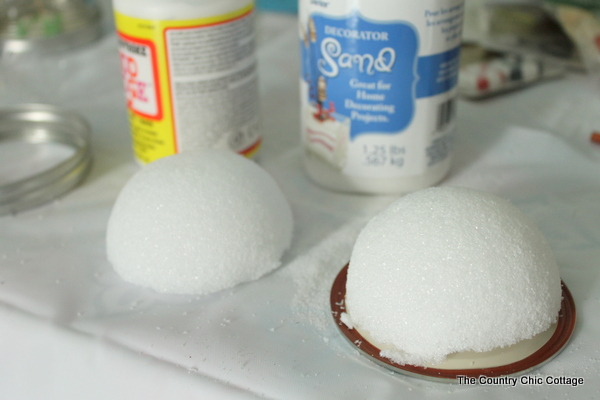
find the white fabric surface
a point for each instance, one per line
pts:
(272, 338)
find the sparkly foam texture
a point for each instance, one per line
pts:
(449, 269)
(198, 222)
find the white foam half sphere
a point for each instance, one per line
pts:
(198, 222)
(447, 270)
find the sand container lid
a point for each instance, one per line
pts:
(44, 152)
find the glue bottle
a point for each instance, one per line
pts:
(378, 92)
(190, 75)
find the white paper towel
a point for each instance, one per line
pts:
(272, 338)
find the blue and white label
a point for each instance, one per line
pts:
(364, 74)
(373, 87)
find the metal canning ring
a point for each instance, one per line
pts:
(43, 124)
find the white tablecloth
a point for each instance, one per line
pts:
(71, 329)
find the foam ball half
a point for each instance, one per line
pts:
(198, 222)
(447, 270)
